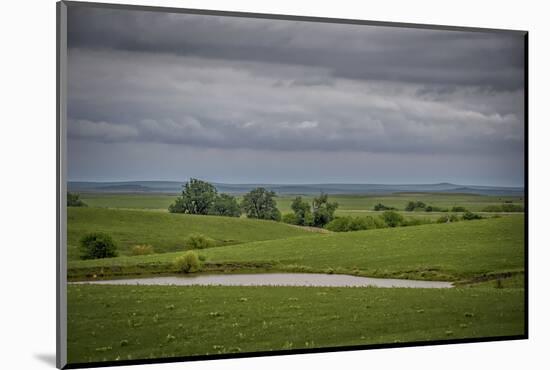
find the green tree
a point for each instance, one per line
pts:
(196, 198)
(323, 210)
(302, 212)
(73, 200)
(260, 203)
(225, 205)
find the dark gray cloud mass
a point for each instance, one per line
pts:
(224, 84)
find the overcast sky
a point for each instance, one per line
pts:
(156, 96)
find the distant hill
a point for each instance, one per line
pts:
(303, 189)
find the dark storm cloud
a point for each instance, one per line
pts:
(487, 60)
(128, 96)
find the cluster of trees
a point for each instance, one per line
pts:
(202, 198)
(319, 213)
(73, 200)
(386, 219)
(421, 206)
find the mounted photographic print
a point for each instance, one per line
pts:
(237, 184)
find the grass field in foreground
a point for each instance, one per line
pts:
(461, 250)
(122, 322)
(347, 203)
(167, 232)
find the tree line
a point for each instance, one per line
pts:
(202, 198)
(199, 197)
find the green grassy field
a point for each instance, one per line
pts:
(165, 231)
(461, 250)
(348, 204)
(120, 322)
(142, 201)
(485, 258)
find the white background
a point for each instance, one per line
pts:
(27, 146)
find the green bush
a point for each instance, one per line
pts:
(467, 216)
(97, 245)
(188, 262)
(73, 200)
(348, 223)
(458, 209)
(381, 207)
(289, 218)
(392, 219)
(199, 241)
(434, 209)
(339, 224)
(413, 206)
(143, 249)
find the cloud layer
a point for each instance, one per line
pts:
(229, 83)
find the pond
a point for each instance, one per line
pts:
(276, 279)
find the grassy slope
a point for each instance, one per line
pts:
(120, 322)
(143, 201)
(167, 232)
(461, 250)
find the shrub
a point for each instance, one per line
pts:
(381, 207)
(412, 206)
(467, 216)
(140, 250)
(199, 241)
(434, 209)
(348, 223)
(358, 223)
(339, 224)
(379, 223)
(73, 200)
(458, 209)
(289, 218)
(97, 245)
(188, 262)
(392, 219)
(447, 218)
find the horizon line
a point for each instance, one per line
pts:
(303, 183)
